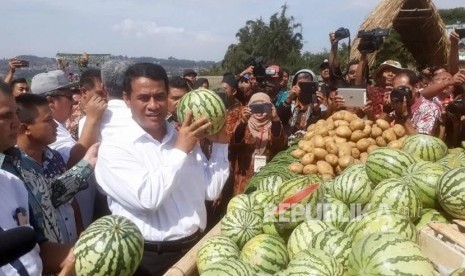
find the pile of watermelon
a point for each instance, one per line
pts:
(365, 221)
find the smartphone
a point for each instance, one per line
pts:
(308, 92)
(24, 63)
(260, 108)
(460, 32)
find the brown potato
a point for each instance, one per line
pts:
(331, 132)
(399, 130)
(309, 135)
(376, 131)
(308, 158)
(324, 168)
(389, 135)
(311, 127)
(363, 145)
(355, 153)
(345, 149)
(331, 159)
(332, 147)
(338, 170)
(301, 144)
(339, 123)
(363, 157)
(343, 131)
(298, 153)
(310, 169)
(380, 142)
(330, 125)
(296, 167)
(356, 135)
(308, 147)
(348, 116)
(396, 144)
(321, 130)
(328, 139)
(321, 122)
(352, 144)
(339, 140)
(371, 148)
(327, 176)
(345, 161)
(357, 124)
(382, 124)
(371, 141)
(369, 122)
(320, 153)
(366, 131)
(402, 139)
(318, 141)
(337, 116)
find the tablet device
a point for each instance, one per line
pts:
(354, 97)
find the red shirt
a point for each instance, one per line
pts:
(375, 94)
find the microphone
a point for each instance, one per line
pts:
(16, 242)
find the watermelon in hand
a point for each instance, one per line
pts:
(112, 245)
(203, 103)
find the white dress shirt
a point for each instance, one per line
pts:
(159, 187)
(116, 117)
(13, 195)
(64, 142)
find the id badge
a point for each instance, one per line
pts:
(258, 162)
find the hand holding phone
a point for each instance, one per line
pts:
(307, 93)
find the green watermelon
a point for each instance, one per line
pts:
(246, 203)
(383, 220)
(423, 177)
(265, 253)
(453, 160)
(301, 238)
(111, 245)
(262, 199)
(458, 272)
(451, 192)
(334, 212)
(314, 262)
(388, 254)
(426, 147)
(350, 227)
(385, 163)
(215, 249)
(429, 215)
(353, 185)
(455, 150)
(228, 267)
(271, 183)
(240, 226)
(398, 195)
(203, 103)
(334, 242)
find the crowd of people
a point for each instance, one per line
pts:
(72, 152)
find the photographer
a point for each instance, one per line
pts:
(454, 120)
(257, 138)
(337, 76)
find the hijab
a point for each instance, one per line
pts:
(259, 127)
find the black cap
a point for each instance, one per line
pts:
(189, 72)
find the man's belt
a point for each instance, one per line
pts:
(183, 244)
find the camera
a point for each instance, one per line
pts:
(371, 40)
(260, 108)
(260, 71)
(341, 33)
(400, 94)
(308, 92)
(460, 32)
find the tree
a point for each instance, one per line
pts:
(277, 42)
(453, 16)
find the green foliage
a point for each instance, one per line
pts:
(393, 48)
(452, 16)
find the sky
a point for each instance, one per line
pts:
(184, 29)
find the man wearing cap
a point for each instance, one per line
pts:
(190, 75)
(55, 87)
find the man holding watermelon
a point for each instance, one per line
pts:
(157, 177)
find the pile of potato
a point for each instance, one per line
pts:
(331, 145)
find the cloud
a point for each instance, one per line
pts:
(141, 28)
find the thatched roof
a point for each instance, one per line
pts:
(419, 24)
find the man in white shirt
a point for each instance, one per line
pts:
(157, 177)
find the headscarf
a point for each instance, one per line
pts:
(259, 127)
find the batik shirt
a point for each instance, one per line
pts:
(44, 194)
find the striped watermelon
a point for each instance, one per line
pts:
(301, 237)
(334, 212)
(111, 245)
(383, 220)
(388, 254)
(385, 163)
(215, 249)
(451, 192)
(228, 267)
(271, 183)
(453, 160)
(314, 262)
(246, 203)
(262, 198)
(423, 177)
(426, 147)
(458, 272)
(240, 226)
(203, 103)
(429, 215)
(265, 253)
(350, 227)
(334, 242)
(456, 150)
(353, 185)
(398, 195)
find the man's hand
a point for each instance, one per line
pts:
(95, 107)
(321, 98)
(294, 94)
(246, 114)
(92, 154)
(274, 114)
(221, 137)
(249, 70)
(337, 102)
(68, 265)
(459, 78)
(332, 39)
(191, 132)
(14, 64)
